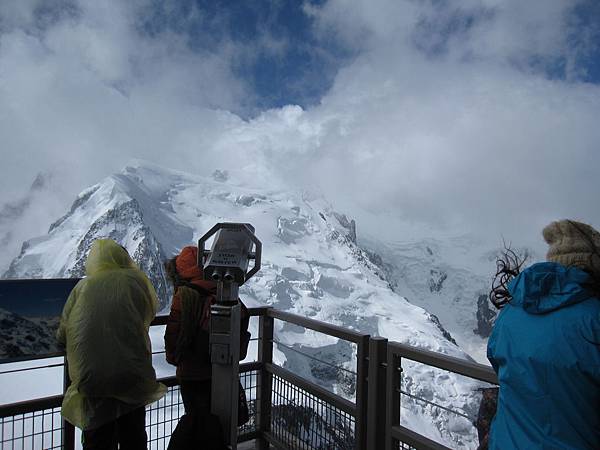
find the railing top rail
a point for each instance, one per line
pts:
(463, 367)
(316, 325)
(28, 406)
(259, 310)
(26, 358)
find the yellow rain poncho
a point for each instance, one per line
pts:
(104, 326)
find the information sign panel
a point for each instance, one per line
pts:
(30, 312)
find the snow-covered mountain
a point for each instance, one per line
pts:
(121, 208)
(312, 266)
(450, 278)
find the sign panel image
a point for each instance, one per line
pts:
(30, 312)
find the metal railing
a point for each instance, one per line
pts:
(300, 414)
(396, 435)
(287, 410)
(32, 424)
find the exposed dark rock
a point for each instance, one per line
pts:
(350, 225)
(438, 324)
(436, 280)
(485, 316)
(220, 175)
(284, 293)
(382, 269)
(292, 229)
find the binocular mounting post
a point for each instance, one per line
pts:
(225, 355)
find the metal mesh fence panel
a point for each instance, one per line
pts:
(42, 429)
(402, 446)
(162, 418)
(301, 420)
(32, 430)
(249, 383)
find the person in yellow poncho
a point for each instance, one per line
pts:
(104, 326)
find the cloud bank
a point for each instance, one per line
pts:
(475, 116)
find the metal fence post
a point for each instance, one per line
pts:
(377, 398)
(265, 380)
(68, 430)
(224, 354)
(393, 381)
(362, 392)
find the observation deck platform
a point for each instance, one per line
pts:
(288, 411)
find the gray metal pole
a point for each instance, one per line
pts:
(377, 398)
(225, 355)
(393, 381)
(361, 392)
(265, 380)
(68, 430)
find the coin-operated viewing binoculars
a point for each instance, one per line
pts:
(227, 263)
(228, 260)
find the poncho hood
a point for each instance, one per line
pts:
(106, 254)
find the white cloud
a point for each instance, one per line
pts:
(475, 143)
(458, 135)
(83, 91)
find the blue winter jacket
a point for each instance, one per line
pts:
(545, 348)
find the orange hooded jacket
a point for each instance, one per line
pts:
(193, 363)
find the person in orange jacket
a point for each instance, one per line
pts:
(187, 335)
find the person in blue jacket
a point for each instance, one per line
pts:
(545, 347)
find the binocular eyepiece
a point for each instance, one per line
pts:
(228, 276)
(232, 249)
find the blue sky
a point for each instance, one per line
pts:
(283, 56)
(299, 62)
(587, 19)
(439, 107)
(301, 66)
(285, 61)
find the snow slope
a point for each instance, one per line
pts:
(450, 278)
